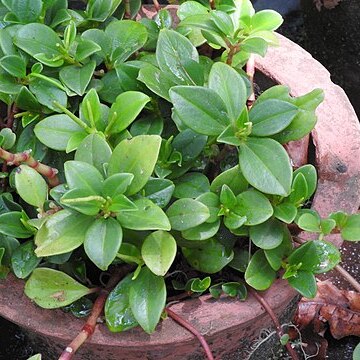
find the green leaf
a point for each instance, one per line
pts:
(201, 232)
(127, 37)
(267, 235)
(271, 116)
(137, 156)
(25, 100)
(55, 131)
(8, 84)
(62, 232)
(285, 212)
(9, 244)
(75, 140)
(8, 138)
(117, 184)
(159, 191)
(266, 20)
(174, 53)
(158, 252)
(222, 21)
(311, 100)
(184, 214)
(46, 93)
(266, 166)
(310, 174)
(148, 216)
(212, 201)
(299, 190)
(31, 186)
(227, 197)
(233, 178)
(255, 206)
(86, 48)
(190, 144)
(191, 185)
(356, 353)
(24, 260)
(202, 104)
(81, 175)
(199, 258)
(102, 242)
(305, 256)
(118, 314)
(40, 41)
(26, 11)
(14, 65)
(91, 110)
(125, 110)
(53, 289)
(147, 299)
(351, 230)
(259, 273)
(95, 151)
(328, 254)
(230, 86)
(235, 289)
(11, 225)
(100, 10)
(305, 283)
(35, 357)
(77, 78)
(121, 203)
(198, 286)
(309, 222)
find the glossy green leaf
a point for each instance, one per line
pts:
(95, 151)
(77, 78)
(100, 10)
(299, 190)
(102, 242)
(212, 249)
(356, 353)
(147, 299)
(148, 217)
(52, 289)
(266, 166)
(27, 101)
(305, 283)
(328, 254)
(202, 104)
(227, 83)
(91, 110)
(203, 231)
(311, 100)
(197, 285)
(227, 197)
(148, 125)
(212, 201)
(31, 186)
(121, 203)
(235, 289)
(185, 213)
(310, 174)
(55, 131)
(9, 244)
(305, 256)
(259, 273)
(118, 314)
(40, 41)
(62, 232)
(159, 191)
(232, 178)
(309, 222)
(267, 235)
(191, 185)
(240, 260)
(24, 260)
(266, 20)
(11, 225)
(351, 230)
(26, 11)
(159, 251)
(255, 206)
(125, 110)
(271, 116)
(285, 212)
(137, 156)
(174, 53)
(117, 184)
(14, 65)
(86, 48)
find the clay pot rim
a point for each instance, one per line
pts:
(276, 66)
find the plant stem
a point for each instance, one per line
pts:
(275, 320)
(89, 327)
(233, 50)
(25, 158)
(352, 281)
(12, 110)
(127, 10)
(212, 4)
(250, 70)
(156, 5)
(49, 80)
(193, 330)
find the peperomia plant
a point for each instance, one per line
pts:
(125, 147)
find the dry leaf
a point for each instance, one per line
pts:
(328, 4)
(339, 309)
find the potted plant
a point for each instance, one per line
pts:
(127, 154)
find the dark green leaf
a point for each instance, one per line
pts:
(191, 185)
(329, 256)
(351, 230)
(305, 283)
(24, 260)
(309, 222)
(159, 191)
(14, 65)
(267, 235)
(203, 231)
(309, 172)
(26, 11)
(285, 212)
(117, 184)
(305, 256)
(232, 178)
(11, 225)
(235, 289)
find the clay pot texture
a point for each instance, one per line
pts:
(228, 324)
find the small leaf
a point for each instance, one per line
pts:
(102, 242)
(309, 222)
(203, 231)
(309, 172)
(24, 260)
(118, 314)
(147, 299)
(232, 178)
(259, 273)
(148, 217)
(31, 186)
(158, 252)
(267, 235)
(285, 212)
(159, 191)
(117, 184)
(266, 20)
(53, 289)
(191, 185)
(305, 256)
(299, 190)
(14, 65)
(185, 213)
(329, 256)
(351, 230)
(11, 224)
(305, 283)
(235, 289)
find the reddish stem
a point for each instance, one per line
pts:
(12, 110)
(193, 330)
(89, 327)
(156, 5)
(25, 158)
(250, 70)
(233, 50)
(275, 320)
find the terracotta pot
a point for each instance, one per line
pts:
(228, 325)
